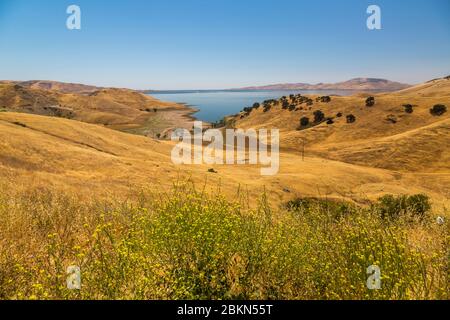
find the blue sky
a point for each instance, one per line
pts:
(209, 44)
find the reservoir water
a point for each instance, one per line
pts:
(214, 105)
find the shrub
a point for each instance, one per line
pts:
(408, 108)
(419, 205)
(330, 121)
(339, 114)
(438, 110)
(304, 122)
(337, 209)
(370, 102)
(351, 118)
(319, 116)
(391, 118)
(256, 105)
(391, 207)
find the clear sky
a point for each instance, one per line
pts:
(208, 44)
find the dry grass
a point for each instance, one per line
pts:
(72, 196)
(114, 108)
(90, 159)
(416, 142)
(188, 244)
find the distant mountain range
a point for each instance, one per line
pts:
(357, 84)
(353, 84)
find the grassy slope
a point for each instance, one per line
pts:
(416, 147)
(193, 245)
(92, 159)
(189, 245)
(115, 108)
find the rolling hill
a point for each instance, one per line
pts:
(120, 109)
(356, 84)
(386, 149)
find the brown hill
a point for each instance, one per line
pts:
(382, 136)
(385, 150)
(117, 108)
(92, 160)
(358, 84)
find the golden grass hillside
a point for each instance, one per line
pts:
(140, 227)
(184, 243)
(120, 109)
(70, 155)
(382, 136)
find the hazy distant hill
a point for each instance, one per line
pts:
(353, 84)
(63, 87)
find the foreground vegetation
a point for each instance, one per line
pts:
(191, 245)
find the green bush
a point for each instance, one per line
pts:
(393, 207)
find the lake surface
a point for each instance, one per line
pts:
(214, 105)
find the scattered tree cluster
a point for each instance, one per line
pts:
(324, 99)
(299, 100)
(267, 107)
(247, 110)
